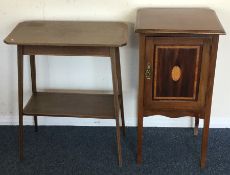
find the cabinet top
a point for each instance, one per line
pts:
(69, 33)
(178, 20)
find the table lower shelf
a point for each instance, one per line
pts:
(71, 105)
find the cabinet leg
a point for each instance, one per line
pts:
(118, 70)
(204, 141)
(208, 99)
(116, 101)
(139, 139)
(142, 41)
(196, 125)
(20, 100)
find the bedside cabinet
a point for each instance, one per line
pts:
(178, 48)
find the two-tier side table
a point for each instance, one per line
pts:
(178, 48)
(70, 38)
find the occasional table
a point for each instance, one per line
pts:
(70, 38)
(177, 50)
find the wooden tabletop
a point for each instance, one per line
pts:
(178, 20)
(69, 33)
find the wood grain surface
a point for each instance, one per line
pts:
(69, 33)
(71, 105)
(178, 20)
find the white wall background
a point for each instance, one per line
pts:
(59, 73)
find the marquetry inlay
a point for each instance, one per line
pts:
(176, 73)
(177, 53)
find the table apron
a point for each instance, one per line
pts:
(67, 50)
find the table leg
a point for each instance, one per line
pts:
(118, 69)
(196, 125)
(20, 99)
(34, 85)
(116, 102)
(35, 123)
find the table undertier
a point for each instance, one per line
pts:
(71, 105)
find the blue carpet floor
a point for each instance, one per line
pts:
(92, 151)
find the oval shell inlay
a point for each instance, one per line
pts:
(176, 73)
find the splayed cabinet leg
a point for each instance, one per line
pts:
(196, 126)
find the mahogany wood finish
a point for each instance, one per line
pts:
(118, 71)
(20, 101)
(34, 85)
(196, 126)
(70, 39)
(67, 50)
(69, 33)
(116, 100)
(178, 48)
(71, 104)
(186, 59)
(178, 21)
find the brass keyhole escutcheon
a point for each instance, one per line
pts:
(148, 72)
(176, 73)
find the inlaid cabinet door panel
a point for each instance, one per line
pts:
(174, 71)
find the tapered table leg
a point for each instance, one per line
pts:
(116, 102)
(118, 70)
(34, 85)
(20, 99)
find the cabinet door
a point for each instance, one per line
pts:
(176, 72)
